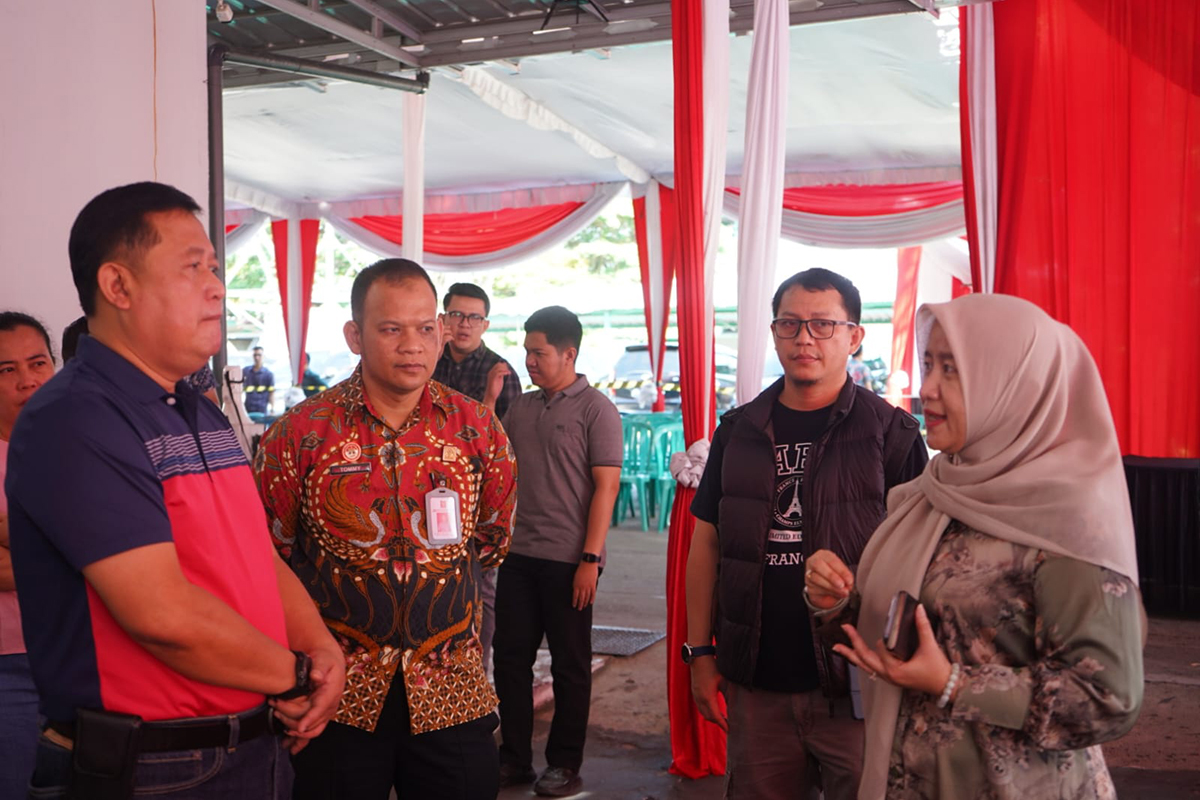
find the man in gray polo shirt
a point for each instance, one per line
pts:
(569, 448)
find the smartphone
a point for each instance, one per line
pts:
(900, 630)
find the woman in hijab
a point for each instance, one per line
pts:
(1018, 542)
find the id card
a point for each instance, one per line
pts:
(443, 521)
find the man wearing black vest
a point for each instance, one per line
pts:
(804, 466)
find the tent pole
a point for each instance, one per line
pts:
(216, 194)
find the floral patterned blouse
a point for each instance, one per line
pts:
(1051, 655)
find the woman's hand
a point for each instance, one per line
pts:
(827, 579)
(927, 671)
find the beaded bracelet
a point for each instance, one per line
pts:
(951, 682)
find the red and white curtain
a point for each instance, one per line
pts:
(654, 220)
(241, 226)
(700, 33)
(484, 239)
(889, 215)
(1097, 187)
(295, 264)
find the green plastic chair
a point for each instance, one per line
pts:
(636, 471)
(668, 440)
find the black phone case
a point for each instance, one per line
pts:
(104, 758)
(904, 626)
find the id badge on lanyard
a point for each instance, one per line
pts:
(443, 517)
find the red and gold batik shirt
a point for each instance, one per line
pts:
(345, 499)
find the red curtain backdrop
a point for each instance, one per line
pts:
(667, 226)
(1098, 123)
(840, 200)
(904, 317)
(473, 234)
(309, 230)
(230, 228)
(697, 746)
(968, 182)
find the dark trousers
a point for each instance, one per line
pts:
(456, 763)
(533, 597)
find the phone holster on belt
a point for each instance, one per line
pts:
(105, 755)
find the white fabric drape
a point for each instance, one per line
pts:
(762, 199)
(414, 178)
(981, 115)
(885, 230)
(716, 124)
(295, 299)
(660, 305)
(249, 225)
(514, 103)
(570, 225)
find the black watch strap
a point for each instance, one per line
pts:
(304, 685)
(589, 558)
(690, 653)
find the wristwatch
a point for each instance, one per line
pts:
(589, 558)
(304, 685)
(692, 653)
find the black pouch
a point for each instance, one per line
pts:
(830, 629)
(105, 755)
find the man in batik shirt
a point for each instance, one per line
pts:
(388, 495)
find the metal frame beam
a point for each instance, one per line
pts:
(387, 17)
(342, 29)
(317, 69)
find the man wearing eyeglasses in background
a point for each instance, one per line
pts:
(467, 365)
(805, 466)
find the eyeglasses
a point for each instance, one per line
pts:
(458, 318)
(789, 327)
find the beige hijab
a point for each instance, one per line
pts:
(1041, 467)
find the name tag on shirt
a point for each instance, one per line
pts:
(349, 469)
(443, 521)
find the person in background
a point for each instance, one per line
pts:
(258, 385)
(467, 365)
(805, 466)
(568, 440)
(1018, 543)
(311, 382)
(389, 520)
(158, 619)
(26, 362)
(860, 373)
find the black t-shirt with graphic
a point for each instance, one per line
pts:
(787, 660)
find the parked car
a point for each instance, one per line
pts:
(633, 381)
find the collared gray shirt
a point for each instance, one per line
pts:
(557, 441)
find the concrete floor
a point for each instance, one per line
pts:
(628, 749)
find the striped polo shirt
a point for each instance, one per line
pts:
(104, 460)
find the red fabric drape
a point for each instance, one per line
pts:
(1098, 123)
(231, 228)
(309, 231)
(697, 746)
(904, 316)
(969, 206)
(474, 234)
(840, 200)
(958, 288)
(666, 223)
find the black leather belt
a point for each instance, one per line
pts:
(164, 736)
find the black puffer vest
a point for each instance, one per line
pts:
(844, 493)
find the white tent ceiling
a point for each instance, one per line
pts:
(872, 101)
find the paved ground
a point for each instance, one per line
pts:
(628, 750)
